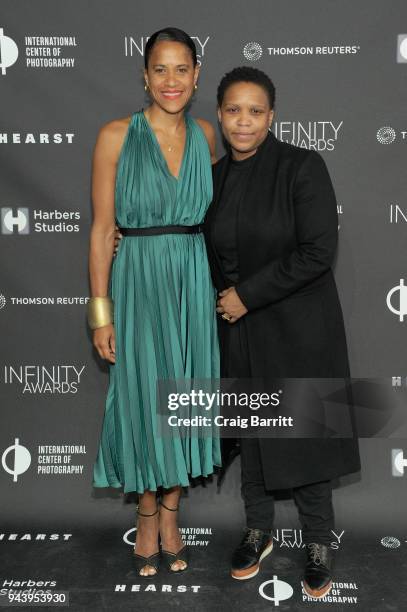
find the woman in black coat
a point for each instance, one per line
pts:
(271, 235)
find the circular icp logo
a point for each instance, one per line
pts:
(281, 590)
(127, 536)
(252, 51)
(401, 312)
(403, 48)
(22, 459)
(8, 52)
(390, 542)
(386, 135)
(2, 301)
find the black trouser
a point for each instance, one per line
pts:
(314, 501)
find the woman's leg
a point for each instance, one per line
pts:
(147, 529)
(170, 535)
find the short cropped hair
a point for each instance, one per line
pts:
(247, 74)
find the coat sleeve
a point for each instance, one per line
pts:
(316, 222)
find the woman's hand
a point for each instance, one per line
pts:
(104, 342)
(230, 304)
(117, 238)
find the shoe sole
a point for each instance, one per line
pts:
(317, 593)
(254, 570)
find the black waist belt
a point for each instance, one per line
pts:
(157, 231)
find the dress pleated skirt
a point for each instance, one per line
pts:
(165, 329)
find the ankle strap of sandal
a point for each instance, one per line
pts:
(167, 508)
(143, 514)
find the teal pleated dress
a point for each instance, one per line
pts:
(164, 314)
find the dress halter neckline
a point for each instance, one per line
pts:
(159, 150)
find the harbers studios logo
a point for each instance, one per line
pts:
(17, 221)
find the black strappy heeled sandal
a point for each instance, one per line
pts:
(153, 560)
(169, 558)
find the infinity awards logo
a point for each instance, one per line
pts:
(402, 308)
(22, 459)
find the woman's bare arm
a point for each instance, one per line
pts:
(104, 164)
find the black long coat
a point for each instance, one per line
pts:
(287, 229)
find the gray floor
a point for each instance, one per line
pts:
(88, 567)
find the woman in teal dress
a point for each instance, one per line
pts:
(151, 172)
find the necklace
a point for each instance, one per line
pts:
(169, 147)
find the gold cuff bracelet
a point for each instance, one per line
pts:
(100, 311)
